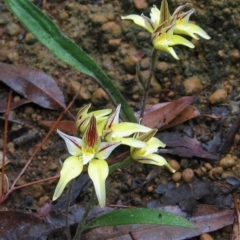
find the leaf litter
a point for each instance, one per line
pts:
(33, 84)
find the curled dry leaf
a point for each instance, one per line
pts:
(6, 184)
(65, 126)
(33, 84)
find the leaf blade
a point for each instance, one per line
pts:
(138, 216)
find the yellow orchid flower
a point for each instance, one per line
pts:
(120, 132)
(83, 118)
(184, 27)
(146, 154)
(88, 150)
(163, 27)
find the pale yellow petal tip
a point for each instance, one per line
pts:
(170, 168)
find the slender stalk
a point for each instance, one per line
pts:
(67, 227)
(81, 224)
(5, 142)
(148, 83)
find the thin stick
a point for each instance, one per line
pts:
(5, 140)
(148, 84)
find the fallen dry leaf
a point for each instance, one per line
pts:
(65, 126)
(3, 104)
(33, 84)
(184, 146)
(163, 115)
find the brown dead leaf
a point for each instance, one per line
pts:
(65, 126)
(33, 84)
(3, 104)
(166, 112)
(184, 146)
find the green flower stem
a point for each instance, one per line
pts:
(43, 28)
(148, 83)
(81, 224)
(122, 164)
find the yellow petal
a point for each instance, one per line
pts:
(125, 129)
(155, 159)
(178, 40)
(132, 142)
(141, 21)
(72, 167)
(191, 30)
(98, 172)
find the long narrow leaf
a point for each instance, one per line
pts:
(138, 216)
(49, 35)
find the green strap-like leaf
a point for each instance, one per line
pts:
(49, 35)
(138, 216)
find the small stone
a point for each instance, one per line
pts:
(63, 15)
(30, 39)
(227, 174)
(73, 88)
(235, 55)
(100, 97)
(215, 173)
(129, 63)
(174, 164)
(13, 56)
(177, 177)
(219, 96)
(53, 166)
(206, 236)
(163, 67)
(150, 189)
(29, 111)
(187, 175)
(228, 161)
(38, 191)
(98, 19)
(208, 166)
(114, 43)
(192, 85)
(140, 4)
(13, 29)
(111, 30)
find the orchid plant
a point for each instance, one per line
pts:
(93, 151)
(165, 29)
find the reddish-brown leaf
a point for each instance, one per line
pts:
(166, 112)
(33, 84)
(3, 104)
(65, 126)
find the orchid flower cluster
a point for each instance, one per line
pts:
(165, 27)
(102, 133)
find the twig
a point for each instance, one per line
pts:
(5, 140)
